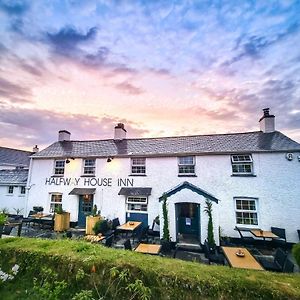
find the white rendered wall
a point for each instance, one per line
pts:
(12, 202)
(276, 186)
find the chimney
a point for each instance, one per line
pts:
(64, 135)
(267, 121)
(120, 132)
(35, 149)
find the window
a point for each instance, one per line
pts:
(186, 165)
(137, 204)
(89, 166)
(138, 166)
(246, 211)
(59, 167)
(10, 189)
(22, 190)
(55, 202)
(242, 164)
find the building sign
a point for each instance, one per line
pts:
(89, 181)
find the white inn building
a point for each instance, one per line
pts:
(252, 179)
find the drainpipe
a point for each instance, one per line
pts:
(28, 186)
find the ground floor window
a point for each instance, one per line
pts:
(137, 204)
(55, 201)
(246, 211)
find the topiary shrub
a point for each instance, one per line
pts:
(101, 226)
(296, 253)
(210, 228)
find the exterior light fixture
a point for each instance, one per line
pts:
(67, 161)
(109, 159)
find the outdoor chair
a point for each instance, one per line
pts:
(212, 255)
(281, 241)
(246, 240)
(47, 221)
(278, 262)
(298, 234)
(29, 219)
(288, 266)
(114, 230)
(127, 245)
(109, 241)
(142, 234)
(6, 231)
(151, 232)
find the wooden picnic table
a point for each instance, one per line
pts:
(263, 234)
(130, 226)
(148, 249)
(40, 216)
(242, 262)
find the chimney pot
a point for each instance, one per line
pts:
(120, 132)
(267, 121)
(35, 149)
(64, 135)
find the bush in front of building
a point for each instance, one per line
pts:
(102, 226)
(296, 253)
(66, 269)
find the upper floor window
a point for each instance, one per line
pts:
(242, 164)
(55, 201)
(89, 166)
(10, 189)
(186, 165)
(59, 167)
(138, 166)
(246, 211)
(22, 190)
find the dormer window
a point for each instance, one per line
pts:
(186, 165)
(89, 166)
(59, 167)
(242, 164)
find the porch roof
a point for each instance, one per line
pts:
(187, 185)
(138, 191)
(82, 191)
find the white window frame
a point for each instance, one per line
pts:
(8, 190)
(22, 188)
(59, 167)
(246, 211)
(241, 160)
(138, 165)
(54, 203)
(93, 167)
(137, 200)
(185, 164)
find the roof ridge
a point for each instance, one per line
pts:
(8, 148)
(168, 137)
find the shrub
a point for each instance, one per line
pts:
(296, 253)
(101, 227)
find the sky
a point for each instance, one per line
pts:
(163, 68)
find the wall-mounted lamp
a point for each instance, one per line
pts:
(109, 159)
(68, 160)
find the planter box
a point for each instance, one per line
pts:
(62, 221)
(90, 223)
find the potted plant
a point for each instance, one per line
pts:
(102, 226)
(92, 220)
(210, 229)
(61, 219)
(3, 219)
(166, 240)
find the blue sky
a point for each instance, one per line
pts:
(161, 67)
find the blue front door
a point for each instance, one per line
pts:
(86, 203)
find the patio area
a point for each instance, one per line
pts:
(260, 252)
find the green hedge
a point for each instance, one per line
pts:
(61, 269)
(296, 253)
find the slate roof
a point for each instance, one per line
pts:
(168, 146)
(11, 177)
(14, 157)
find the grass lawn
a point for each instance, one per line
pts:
(66, 269)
